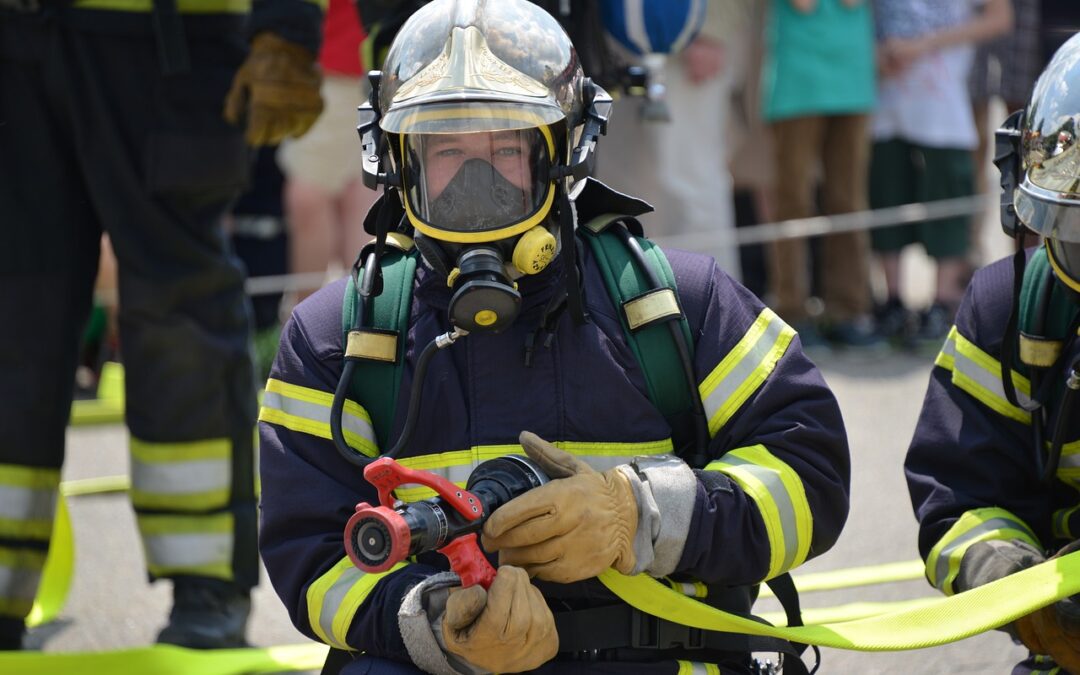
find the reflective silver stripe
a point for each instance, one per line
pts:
(181, 477)
(335, 596)
(959, 545)
(19, 583)
(750, 361)
(26, 505)
(988, 380)
(778, 491)
(189, 550)
(317, 413)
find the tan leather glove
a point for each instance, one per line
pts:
(1054, 630)
(506, 629)
(574, 527)
(276, 90)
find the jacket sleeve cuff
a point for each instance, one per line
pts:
(665, 488)
(420, 620)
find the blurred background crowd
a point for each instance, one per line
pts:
(748, 112)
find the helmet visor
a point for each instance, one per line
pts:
(1051, 213)
(480, 186)
(1065, 258)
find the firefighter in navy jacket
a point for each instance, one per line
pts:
(481, 98)
(992, 472)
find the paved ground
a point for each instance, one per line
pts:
(111, 605)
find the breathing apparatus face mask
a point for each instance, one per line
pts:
(480, 204)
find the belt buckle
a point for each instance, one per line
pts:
(650, 632)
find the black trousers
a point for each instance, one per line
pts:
(94, 138)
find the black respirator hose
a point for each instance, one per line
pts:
(701, 424)
(342, 390)
(1064, 416)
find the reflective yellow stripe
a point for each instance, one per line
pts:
(780, 497)
(691, 589)
(333, 598)
(27, 501)
(979, 374)
(695, 668)
(183, 6)
(20, 572)
(307, 411)
(455, 466)
(943, 563)
(1060, 523)
(192, 476)
(744, 369)
(199, 545)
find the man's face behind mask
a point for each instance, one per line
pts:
(475, 182)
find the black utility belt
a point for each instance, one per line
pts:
(621, 627)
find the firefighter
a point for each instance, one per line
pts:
(488, 126)
(992, 466)
(111, 119)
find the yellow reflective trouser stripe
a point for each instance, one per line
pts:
(27, 501)
(780, 497)
(455, 466)
(943, 563)
(183, 6)
(979, 374)
(308, 411)
(199, 545)
(744, 369)
(695, 668)
(189, 476)
(333, 598)
(20, 572)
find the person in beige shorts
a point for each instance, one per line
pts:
(324, 198)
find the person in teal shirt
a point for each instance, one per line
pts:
(818, 88)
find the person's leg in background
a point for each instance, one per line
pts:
(892, 183)
(845, 269)
(163, 169)
(692, 167)
(797, 144)
(325, 200)
(47, 267)
(947, 174)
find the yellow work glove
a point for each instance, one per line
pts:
(276, 91)
(506, 629)
(1054, 630)
(572, 528)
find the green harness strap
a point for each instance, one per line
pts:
(652, 343)
(376, 383)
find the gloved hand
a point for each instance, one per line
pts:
(572, 528)
(506, 629)
(1054, 630)
(277, 89)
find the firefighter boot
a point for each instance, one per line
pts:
(207, 614)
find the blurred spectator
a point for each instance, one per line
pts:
(680, 166)
(1006, 69)
(924, 135)
(101, 337)
(818, 86)
(260, 239)
(750, 159)
(325, 198)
